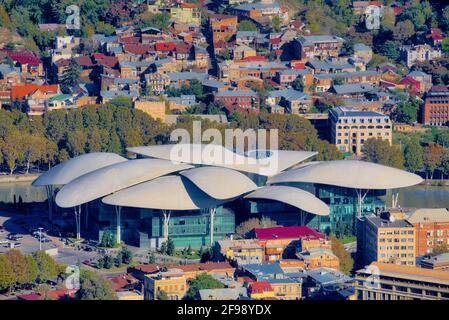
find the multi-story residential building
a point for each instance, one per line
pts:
(419, 53)
(294, 102)
(172, 282)
(435, 111)
(431, 229)
(188, 13)
(351, 128)
(157, 82)
(279, 242)
(317, 47)
(381, 281)
(223, 27)
(245, 251)
(325, 81)
(243, 100)
(387, 238)
(258, 9)
(424, 80)
(319, 258)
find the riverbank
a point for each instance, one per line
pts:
(18, 178)
(435, 183)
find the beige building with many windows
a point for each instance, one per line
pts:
(387, 238)
(350, 128)
(380, 281)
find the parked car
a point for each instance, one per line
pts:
(17, 245)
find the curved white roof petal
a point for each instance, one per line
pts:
(296, 197)
(220, 183)
(71, 169)
(107, 180)
(165, 193)
(350, 174)
(219, 156)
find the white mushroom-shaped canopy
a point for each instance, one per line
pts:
(220, 183)
(350, 174)
(295, 197)
(71, 169)
(164, 193)
(272, 162)
(107, 180)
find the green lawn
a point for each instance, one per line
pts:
(348, 239)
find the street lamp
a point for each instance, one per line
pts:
(40, 238)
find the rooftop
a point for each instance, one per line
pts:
(287, 233)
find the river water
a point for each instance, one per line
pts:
(413, 197)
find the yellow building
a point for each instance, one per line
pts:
(386, 238)
(187, 13)
(261, 290)
(171, 282)
(286, 289)
(350, 128)
(152, 106)
(129, 296)
(241, 251)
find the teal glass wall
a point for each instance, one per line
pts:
(342, 202)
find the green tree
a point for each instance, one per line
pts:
(19, 265)
(433, 157)
(108, 261)
(32, 269)
(298, 84)
(413, 155)
(170, 247)
(202, 281)
(246, 25)
(152, 258)
(7, 276)
(407, 111)
(12, 149)
(162, 295)
(445, 45)
(380, 151)
(346, 262)
(94, 287)
(70, 76)
(127, 256)
(48, 268)
(440, 249)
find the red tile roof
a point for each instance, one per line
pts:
(165, 46)
(255, 59)
(147, 268)
(123, 282)
(138, 49)
(84, 61)
(287, 233)
(23, 90)
(260, 287)
(129, 40)
(25, 58)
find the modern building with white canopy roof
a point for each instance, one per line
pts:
(261, 162)
(306, 202)
(71, 169)
(187, 195)
(360, 176)
(107, 180)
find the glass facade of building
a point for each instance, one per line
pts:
(342, 202)
(144, 228)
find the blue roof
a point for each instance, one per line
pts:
(308, 40)
(264, 270)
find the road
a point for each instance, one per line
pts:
(351, 247)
